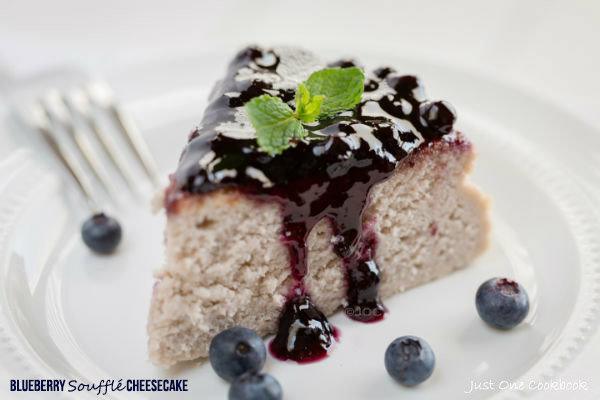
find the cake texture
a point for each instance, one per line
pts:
(406, 217)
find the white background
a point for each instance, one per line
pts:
(550, 48)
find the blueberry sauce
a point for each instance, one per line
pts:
(362, 281)
(304, 333)
(326, 176)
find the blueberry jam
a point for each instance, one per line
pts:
(327, 176)
(362, 281)
(304, 333)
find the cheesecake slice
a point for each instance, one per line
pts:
(374, 202)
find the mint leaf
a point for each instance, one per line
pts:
(275, 123)
(308, 107)
(325, 93)
(342, 87)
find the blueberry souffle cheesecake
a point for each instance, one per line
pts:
(306, 189)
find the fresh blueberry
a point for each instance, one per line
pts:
(409, 360)
(253, 386)
(502, 303)
(236, 351)
(439, 115)
(101, 233)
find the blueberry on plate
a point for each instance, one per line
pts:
(101, 233)
(236, 351)
(255, 386)
(502, 303)
(409, 360)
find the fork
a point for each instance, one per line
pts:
(71, 119)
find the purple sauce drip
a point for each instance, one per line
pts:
(304, 334)
(362, 279)
(313, 181)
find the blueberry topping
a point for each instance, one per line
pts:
(236, 351)
(193, 135)
(371, 85)
(101, 233)
(502, 303)
(439, 115)
(363, 292)
(253, 386)
(405, 85)
(267, 60)
(343, 63)
(409, 360)
(382, 72)
(304, 333)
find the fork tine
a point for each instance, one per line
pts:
(41, 122)
(58, 113)
(135, 142)
(101, 95)
(79, 103)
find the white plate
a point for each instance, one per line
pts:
(68, 313)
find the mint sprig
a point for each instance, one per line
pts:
(324, 94)
(308, 107)
(275, 123)
(342, 87)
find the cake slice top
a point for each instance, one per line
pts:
(392, 120)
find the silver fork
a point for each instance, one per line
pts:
(73, 120)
